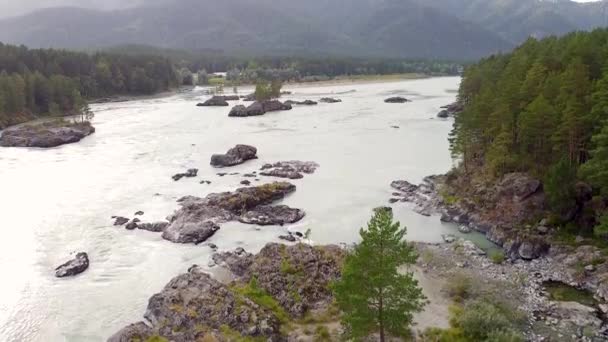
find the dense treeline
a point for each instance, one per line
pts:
(250, 68)
(542, 109)
(36, 82)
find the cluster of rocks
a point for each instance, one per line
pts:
(190, 173)
(198, 218)
(397, 99)
(73, 267)
(259, 108)
(450, 110)
(136, 223)
(305, 102)
(329, 100)
(235, 156)
(195, 307)
(218, 101)
(499, 210)
(46, 135)
(293, 169)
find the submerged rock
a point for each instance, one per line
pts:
(266, 215)
(45, 135)
(73, 267)
(132, 224)
(188, 174)
(289, 169)
(451, 110)
(304, 103)
(119, 220)
(329, 100)
(397, 99)
(214, 101)
(235, 156)
(444, 114)
(155, 227)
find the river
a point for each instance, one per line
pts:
(58, 201)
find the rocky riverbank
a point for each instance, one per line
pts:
(46, 134)
(460, 264)
(511, 213)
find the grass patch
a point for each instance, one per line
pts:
(235, 336)
(287, 267)
(497, 257)
(156, 338)
(262, 298)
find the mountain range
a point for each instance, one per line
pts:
(443, 29)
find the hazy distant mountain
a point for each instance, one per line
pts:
(516, 20)
(461, 29)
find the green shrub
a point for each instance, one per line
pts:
(322, 334)
(487, 321)
(497, 257)
(458, 287)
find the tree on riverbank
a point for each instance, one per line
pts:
(39, 82)
(373, 295)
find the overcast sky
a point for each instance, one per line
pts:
(16, 7)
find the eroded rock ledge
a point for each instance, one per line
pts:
(498, 210)
(199, 218)
(259, 108)
(45, 135)
(193, 306)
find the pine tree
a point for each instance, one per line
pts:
(373, 295)
(596, 169)
(559, 186)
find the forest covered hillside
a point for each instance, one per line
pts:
(543, 110)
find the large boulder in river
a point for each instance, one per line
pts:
(396, 99)
(73, 267)
(293, 169)
(259, 108)
(189, 231)
(218, 101)
(329, 100)
(266, 215)
(235, 156)
(238, 111)
(45, 135)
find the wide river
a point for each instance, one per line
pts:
(58, 201)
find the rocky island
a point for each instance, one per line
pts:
(267, 296)
(46, 134)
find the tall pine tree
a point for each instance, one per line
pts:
(373, 295)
